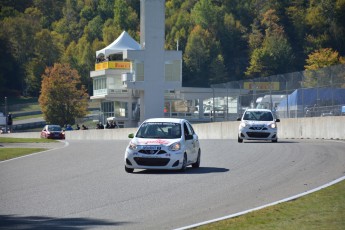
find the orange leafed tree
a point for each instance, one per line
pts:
(317, 74)
(62, 98)
(323, 58)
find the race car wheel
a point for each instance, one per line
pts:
(239, 140)
(129, 170)
(197, 163)
(184, 163)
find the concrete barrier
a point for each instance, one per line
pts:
(100, 134)
(293, 128)
(313, 128)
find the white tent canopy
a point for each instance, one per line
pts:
(122, 43)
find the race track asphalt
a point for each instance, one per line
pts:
(83, 184)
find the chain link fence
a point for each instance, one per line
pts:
(293, 95)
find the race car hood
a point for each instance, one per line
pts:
(146, 141)
(258, 123)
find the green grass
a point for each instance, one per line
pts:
(322, 210)
(21, 100)
(28, 107)
(25, 140)
(18, 118)
(21, 104)
(9, 153)
(16, 105)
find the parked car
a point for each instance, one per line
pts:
(258, 124)
(53, 132)
(163, 143)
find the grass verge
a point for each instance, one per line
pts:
(25, 140)
(324, 209)
(9, 153)
(20, 118)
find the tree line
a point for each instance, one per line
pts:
(221, 41)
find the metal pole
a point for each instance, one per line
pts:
(287, 98)
(254, 94)
(330, 68)
(271, 101)
(170, 107)
(239, 110)
(213, 115)
(317, 92)
(6, 114)
(227, 101)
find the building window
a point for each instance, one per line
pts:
(173, 71)
(139, 72)
(116, 109)
(99, 83)
(99, 86)
(121, 109)
(108, 109)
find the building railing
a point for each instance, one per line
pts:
(117, 92)
(113, 65)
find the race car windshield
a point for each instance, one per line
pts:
(162, 130)
(258, 116)
(54, 128)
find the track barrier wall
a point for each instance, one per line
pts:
(290, 128)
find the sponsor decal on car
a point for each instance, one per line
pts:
(155, 141)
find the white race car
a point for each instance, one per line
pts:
(258, 124)
(163, 143)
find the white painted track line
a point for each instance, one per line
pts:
(263, 206)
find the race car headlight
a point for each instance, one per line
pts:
(132, 146)
(243, 124)
(175, 147)
(273, 125)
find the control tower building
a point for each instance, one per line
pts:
(137, 85)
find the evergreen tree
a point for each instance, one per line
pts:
(274, 55)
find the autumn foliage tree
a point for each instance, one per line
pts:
(321, 58)
(220, 41)
(63, 98)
